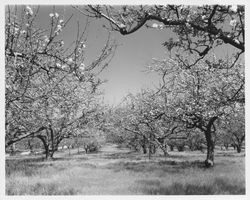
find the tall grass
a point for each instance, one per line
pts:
(218, 186)
(126, 173)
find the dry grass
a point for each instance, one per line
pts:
(123, 172)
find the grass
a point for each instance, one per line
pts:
(125, 173)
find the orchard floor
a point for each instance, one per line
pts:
(118, 171)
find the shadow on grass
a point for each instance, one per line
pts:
(124, 155)
(69, 158)
(218, 187)
(169, 166)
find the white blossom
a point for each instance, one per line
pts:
(154, 25)
(203, 17)
(82, 67)
(16, 30)
(122, 26)
(237, 41)
(62, 43)
(51, 15)
(64, 66)
(58, 64)
(23, 32)
(234, 8)
(61, 21)
(58, 28)
(161, 26)
(188, 25)
(70, 61)
(233, 22)
(29, 11)
(56, 15)
(46, 39)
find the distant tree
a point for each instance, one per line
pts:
(79, 142)
(234, 127)
(148, 122)
(195, 140)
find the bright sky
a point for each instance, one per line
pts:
(126, 72)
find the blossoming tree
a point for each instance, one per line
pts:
(48, 85)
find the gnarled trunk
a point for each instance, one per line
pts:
(48, 152)
(209, 162)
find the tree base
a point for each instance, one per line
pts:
(209, 163)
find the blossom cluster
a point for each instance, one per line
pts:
(29, 11)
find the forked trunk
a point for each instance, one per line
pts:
(48, 154)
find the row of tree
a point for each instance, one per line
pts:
(200, 105)
(51, 93)
(199, 90)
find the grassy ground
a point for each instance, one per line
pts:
(119, 171)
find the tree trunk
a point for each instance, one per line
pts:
(165, 150)
(149, 152)
(239, 147)
(153, 149)
(69, 150)
(30, 145)
(13, 148)
(144, 148)
(46, 146)
(209, 162)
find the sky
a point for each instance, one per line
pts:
(126, 71)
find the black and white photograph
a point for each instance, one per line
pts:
(124, 98)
